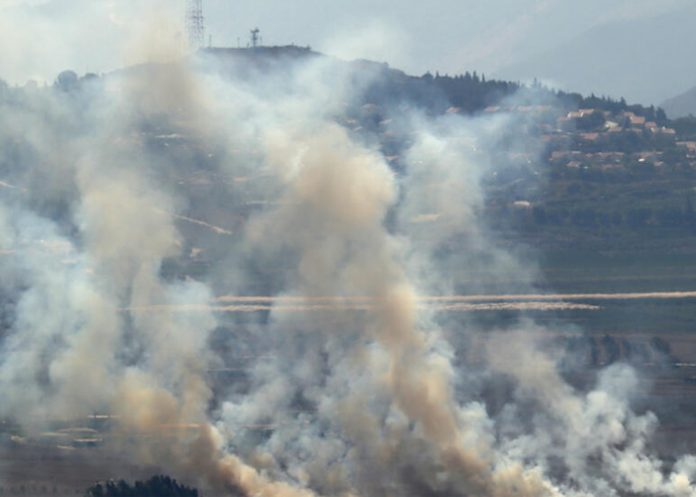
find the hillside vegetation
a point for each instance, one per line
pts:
(569, 170)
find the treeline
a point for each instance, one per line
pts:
(578, 101)
(157, 486)
(472, 92)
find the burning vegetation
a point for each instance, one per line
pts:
(108, 308)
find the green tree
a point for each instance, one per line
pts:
(157, 486)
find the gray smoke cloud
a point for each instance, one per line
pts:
(367, 395)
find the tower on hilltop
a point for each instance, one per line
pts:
(255, 37)
(195, 26)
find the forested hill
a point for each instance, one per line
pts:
(569, 169)
(474, 93)
(469, 91)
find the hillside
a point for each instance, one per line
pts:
(384, 86)
(682, 105)
(571, 171)
(643, 60)
(268, 272)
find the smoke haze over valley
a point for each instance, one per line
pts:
(269, 272)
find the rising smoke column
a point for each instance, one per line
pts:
(393, 380)
(331, 218)
(81, 338)
(113, 264)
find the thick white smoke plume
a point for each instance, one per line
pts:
(366, 395)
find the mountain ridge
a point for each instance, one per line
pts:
(681, 105)
(654, 49)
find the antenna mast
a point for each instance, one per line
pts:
(195, 26)
(255, 38)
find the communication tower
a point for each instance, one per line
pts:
(255, 38)
(195, 26)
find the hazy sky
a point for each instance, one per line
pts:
(38, 38)
(420, 35)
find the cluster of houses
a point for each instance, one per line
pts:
(602, 140)
(690, 148)
(620, 122)
(584, 139)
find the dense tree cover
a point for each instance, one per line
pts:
(381, 86)
(472, 93)
(67, 81)
(469, 91)
(157, 486)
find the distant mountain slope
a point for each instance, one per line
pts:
(643, 60)
(682, 105)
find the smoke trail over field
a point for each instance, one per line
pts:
(100, 233)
